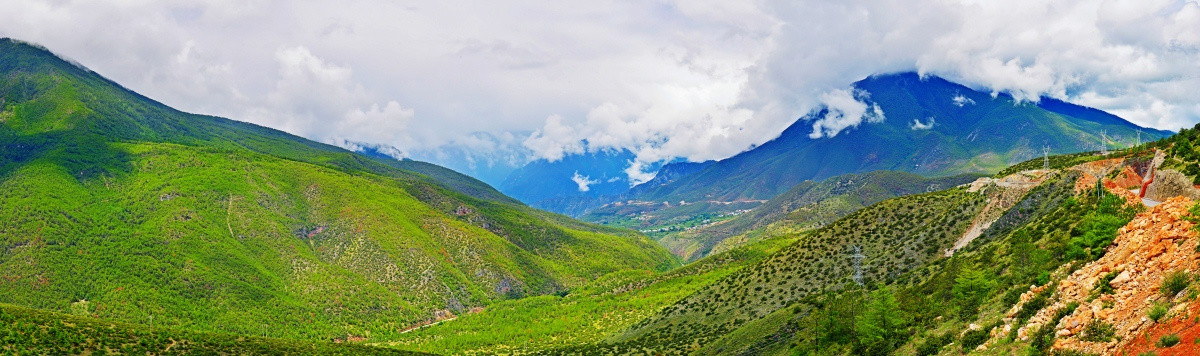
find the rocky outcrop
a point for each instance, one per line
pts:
(1127, 179)
(1170, 183)
(1154, 244)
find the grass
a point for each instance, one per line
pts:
(584, 316)
(118, 207)
(1157, 311)
(29, 331)
(1175, 282)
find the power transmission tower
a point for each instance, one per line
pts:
(1104, 142)
(1045, 158)
(858, 257)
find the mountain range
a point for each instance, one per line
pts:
(926, 125)
(934, 228)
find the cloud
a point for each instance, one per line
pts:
(960, 101)
(554, 140)
(583, 182)
(843, 109)
(917, 125)
(479, 84)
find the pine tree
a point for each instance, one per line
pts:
(880, 327)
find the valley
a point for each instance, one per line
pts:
(130, 227)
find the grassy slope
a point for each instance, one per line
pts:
(587, 315)
(799, 299)
(897, 235)
(811, 205)
(31, 331)
(119, 207)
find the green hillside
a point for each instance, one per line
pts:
(895, 236)
(810, 205)
(585, 315)
(117, 207)
(25, 331)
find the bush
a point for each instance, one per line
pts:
(974, 338)
(1102, 286)
(1174, 283)
(1098, 331)
(1158, 311)
(1168, 340)
(933, 345)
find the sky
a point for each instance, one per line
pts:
(480, 84)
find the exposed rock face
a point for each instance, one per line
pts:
(1169, 183)
(1154, 244)
(1127, 179)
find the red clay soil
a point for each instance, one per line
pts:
(1124, 193)
(1185, 326)
(1127, 179)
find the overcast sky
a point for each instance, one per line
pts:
(511, 80)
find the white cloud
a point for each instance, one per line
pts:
(695, 79)
(583, 181)
(960, 101)
(918, 125)
(843, 109)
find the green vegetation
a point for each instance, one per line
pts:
(584, 316)
(1175, 282)
(29, 332)
(810, 205)
(1183, 152)
(895, 236)
(1157, 312)
(121, 208)
(1056, 162)
(1098, 228)
(125, 213)
(1168, 340)
(1098, 331)
(880, 324)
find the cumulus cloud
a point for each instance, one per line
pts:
(694, 79)
(584, 182)
(843, 109)
(960, 101)
(918, 125)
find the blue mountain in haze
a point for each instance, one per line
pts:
(930, 126)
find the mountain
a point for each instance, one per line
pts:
(572, 184)
(117, 207)
(1065, 261)
(929, 126)
(808, 205)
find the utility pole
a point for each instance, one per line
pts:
(858, 257)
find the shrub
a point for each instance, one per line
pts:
(1102, 285)
(1174, 283)
(1012, 296)
(1168, 340)
(974, 338)
(1158, 311)
(933, 345)
(1098, 331)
